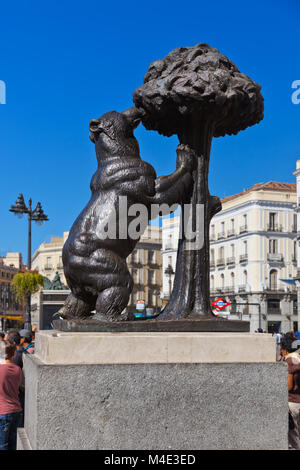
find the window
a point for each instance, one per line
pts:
(212, 255)
(212, 282)
(232, 279)
(273, 279)
(245, 277)
(151, 257)
(222, 281)
(232, 250)
(272, 220)
(169, 242)
(151, 277)
(135, 275)
(150, 296)
(134, 256)
(272, 246)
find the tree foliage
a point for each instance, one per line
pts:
(198, 84)
(27, 282)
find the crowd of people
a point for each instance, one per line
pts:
(13, 345)
(288, 350)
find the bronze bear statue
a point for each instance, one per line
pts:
(94, 265)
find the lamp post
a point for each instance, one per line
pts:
(169, 272)
(4, 303)
(38, 216)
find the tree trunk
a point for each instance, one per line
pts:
(190, 297)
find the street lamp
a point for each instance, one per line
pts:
(4, 295)
(169, 272)
(38, 216)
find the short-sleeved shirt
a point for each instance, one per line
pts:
(10, 380)
(293, 362)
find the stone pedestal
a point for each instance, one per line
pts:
(154, 391)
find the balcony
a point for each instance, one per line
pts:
(48, 267)
(244, 258)
(274, 228)
(275, 257)
(229, 290)
(212, 263)
(169, 246)
(216, 291)
(221, 262)
(242, 288)
(243, 228)
(230, 232)
(230, 261)
(274, 311)
(135, 262)
(221, 235)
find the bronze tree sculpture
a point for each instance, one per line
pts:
(196, 93)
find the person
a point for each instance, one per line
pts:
(278, 337)
(292, 358)
(14, 337)
(26, 341)
(10, 408)
(33, 331)
(2, 336)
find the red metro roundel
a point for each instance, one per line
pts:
(220, 304)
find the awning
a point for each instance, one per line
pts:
(289, 281)
(12, 317)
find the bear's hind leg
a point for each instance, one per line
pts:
(110, 304)
(75, 308)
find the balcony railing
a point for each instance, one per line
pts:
(274, 228)
(221, 262)
(275, 257)
(169, 246)
(231, 232)
(212, 263)
(229, 290)
(221, 235)
(274, 311)
(242, 288)
(48, 267)
(244, 258)
(230, 260)
(244, 228)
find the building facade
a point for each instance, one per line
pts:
(11, 310)
(145, 267)
(253, 255)
(47, 259)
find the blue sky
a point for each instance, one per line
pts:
(67, 62)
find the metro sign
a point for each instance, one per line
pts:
(220, 304)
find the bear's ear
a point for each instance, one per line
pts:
(94, 125)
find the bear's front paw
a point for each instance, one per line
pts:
(185, 157)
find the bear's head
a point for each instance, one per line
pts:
(113, 136)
